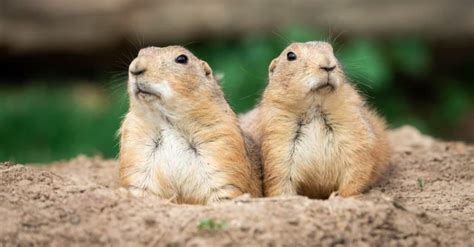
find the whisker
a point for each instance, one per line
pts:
(338, 35)
(190, 43)
(285, 40)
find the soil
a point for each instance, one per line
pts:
(426, 198)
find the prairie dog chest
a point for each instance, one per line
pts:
(174, 164)
(176, 156)
(315, 163)
(315, 142)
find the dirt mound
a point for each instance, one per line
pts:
(426, 199)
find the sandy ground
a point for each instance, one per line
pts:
(79, 203)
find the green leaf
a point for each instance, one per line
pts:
(209, 224)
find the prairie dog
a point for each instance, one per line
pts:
(314, 131)
(180, 139)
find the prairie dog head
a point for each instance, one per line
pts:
(170, 79)
(304, 70)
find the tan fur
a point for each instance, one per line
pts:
(315, 141)
(251, 144)
(182, 142)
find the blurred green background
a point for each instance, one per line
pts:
(48, 117)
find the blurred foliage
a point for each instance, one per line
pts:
(43, 123)
(46, 121)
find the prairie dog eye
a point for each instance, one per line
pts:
(182, 59)
(291, 56)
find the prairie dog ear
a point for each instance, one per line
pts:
(272, 66)
(207, 69)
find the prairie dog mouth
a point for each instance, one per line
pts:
(141, 89)
(324, 85)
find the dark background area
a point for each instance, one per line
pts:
(64, 64)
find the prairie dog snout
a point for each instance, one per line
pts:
(158, 73)
(309, 68)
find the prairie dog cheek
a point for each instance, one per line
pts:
(164, 89)
(313, 82)
(334, 80)
(131, 84)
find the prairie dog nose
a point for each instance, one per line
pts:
(137, 67)
(327, 68)
(326, 61)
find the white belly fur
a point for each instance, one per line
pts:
(184, 170)
(316, 155)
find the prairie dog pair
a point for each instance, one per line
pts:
(312, 131)
(180, 139)
(315, 133)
